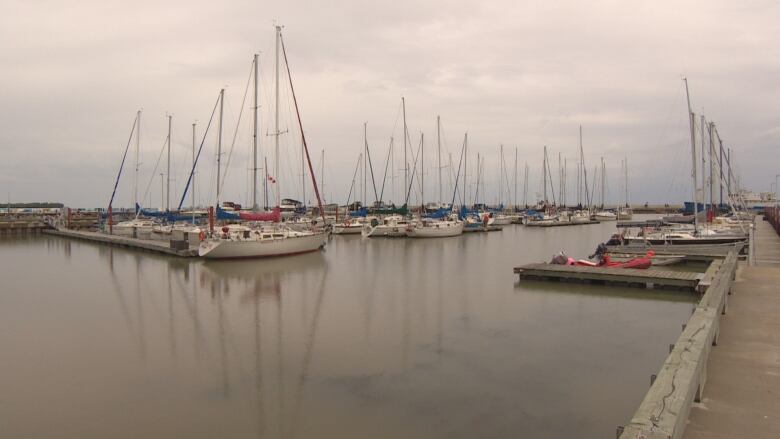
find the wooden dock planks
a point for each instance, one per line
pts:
(628, 276)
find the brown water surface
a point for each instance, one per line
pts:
(368, 339)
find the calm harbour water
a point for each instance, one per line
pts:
(370, 338)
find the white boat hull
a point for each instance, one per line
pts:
(383, 230)
(346, 230)
(436, 231)
(502, 220)
(223, 248)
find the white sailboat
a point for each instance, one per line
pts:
(351, 226)
(392, 226)
(435, 228)
(238, 241)
(429, 227)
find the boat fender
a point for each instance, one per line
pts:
(202, 235)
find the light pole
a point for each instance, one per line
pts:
(775, 192)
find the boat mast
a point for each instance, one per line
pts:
(465, 169)
(406, 163)
(563, 183)
(303, 177)
(525, 187)
(322, 172)
(703, 163)
(303, 135)
(422, 173)
(560, 180)
(479, 169)
(193, 175)
(137, 164)
(720, 165)
(168, 174)
(276, 118)
(365, 163)
(255, 63)
(219, 140)
(626, 162)
(712, 169)
(265, 182)
(500, 175)
(438, 143)
(603, 183)
(544, 174)
(692, 121)
(514, 200)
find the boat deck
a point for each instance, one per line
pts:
(125, 241)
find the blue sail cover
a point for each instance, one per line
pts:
(223, 215)
(465, 212)
(362, 213)
(438, 213)
(534, 214)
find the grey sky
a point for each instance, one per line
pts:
(520, 74)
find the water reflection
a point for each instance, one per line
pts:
(372, 338)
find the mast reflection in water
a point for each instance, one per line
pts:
(370, 338)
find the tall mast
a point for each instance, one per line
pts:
(525, 186)
(406, 163)
(692, 121)
(303, 176)
(255, 63)
(392, 169)
(563, 183)
(560, 180)
(703, 162)
(265, 183)
(193, 174)
(219, 140)
(438, 143)
(712, 168)
(322, 173)
(303, 134)
(603, 183)
(168, 174)
(422, 172)
(365, 163)
(514, 200)
(720, 165)
(500, 175)
(479, 172)
(544, 173)
(579, 174)
(276, 118)
(137, 155)
(465, 169)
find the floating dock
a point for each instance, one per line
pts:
(691, 252)
(125, 241)
(612, 276)
(560, 223)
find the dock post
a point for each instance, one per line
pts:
(211, 220)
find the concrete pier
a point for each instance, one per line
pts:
(743, 391)
(125, 241)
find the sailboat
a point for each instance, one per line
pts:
(604, 214)
(270, 239)
(433, 227)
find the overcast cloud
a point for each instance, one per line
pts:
(521, 74)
